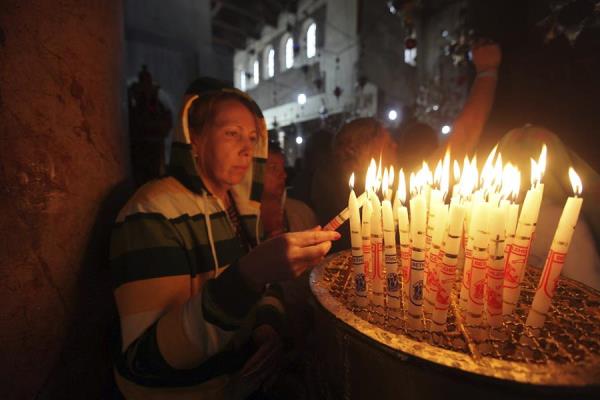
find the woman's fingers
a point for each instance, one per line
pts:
(310, 254)
(312, 237)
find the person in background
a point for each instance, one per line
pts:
(419, 142)
(317, 154)
(354, 146)
(198, 318)
(583, 261)
(279, 212)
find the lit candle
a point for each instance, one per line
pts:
(435, 255)
(447, 267)
(377, 273)
(479, 239)
(418, 213)
(358, 264)
(403, 234)
(495, 267)
(366, 240)
(556, 256)
(389, 245)
(515, 263)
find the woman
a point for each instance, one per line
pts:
(190, 275)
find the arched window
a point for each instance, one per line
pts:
(311, 40)
(255, 72)
(269, 62)
(289, 52)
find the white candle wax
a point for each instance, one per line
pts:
(404, 235)
(366, 241)
(432, 276)
(478, 264)
(514, 264)
(390, 258)
(447, 270)
(554, 263)
(495, 268)
(418, 212)
(377, 273)
(358, 263)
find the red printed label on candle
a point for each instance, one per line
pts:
(367, 257)
(376, 251)
(514, 265)
(552, 269)
(446, 269)
(442, 298)
(477, 289)
(467, 268)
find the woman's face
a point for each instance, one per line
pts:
(226, 147)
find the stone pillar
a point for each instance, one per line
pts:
(63, 152)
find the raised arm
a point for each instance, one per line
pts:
(469, 124)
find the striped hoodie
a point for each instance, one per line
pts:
(186, 313)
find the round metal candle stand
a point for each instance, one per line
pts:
(369, 352)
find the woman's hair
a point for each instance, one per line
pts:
(201, 114)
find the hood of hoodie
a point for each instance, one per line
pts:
(182, 165)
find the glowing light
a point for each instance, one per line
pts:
(402, 187)
(437, 175)
(392, 115)
(536, 176)
(575, 182)
(302, 99)
(351, 182)
(384, 184)
(542, 161)
(446, 129)
(456, 171)
(299, 139)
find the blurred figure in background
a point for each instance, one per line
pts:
(353, 148)
(419, 141)
(280, 213)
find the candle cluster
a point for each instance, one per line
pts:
(484, 224)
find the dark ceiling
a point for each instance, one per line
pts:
(233, 21)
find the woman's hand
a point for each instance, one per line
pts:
(285, 257)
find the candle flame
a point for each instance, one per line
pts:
(517, 184)
(456, 171)
(391, 177)
(351, 181)
(542, 161)
(402, 187)
(379, 175)
(497, 181)
(535, 173)
(426, 175)
(445, 184)
(474, 172)
(412, 183)
(437, 175)
(575, 182)
(384, 185)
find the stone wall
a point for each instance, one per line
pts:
(62, 161)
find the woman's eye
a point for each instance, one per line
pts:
(253, 139)
(231, 133)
